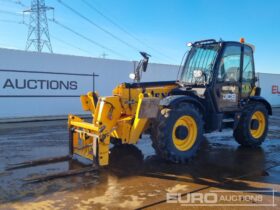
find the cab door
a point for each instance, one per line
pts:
(228, 86)
(248, 72)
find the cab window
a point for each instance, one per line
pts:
(247, 75)
(247, 72)
(229, 69)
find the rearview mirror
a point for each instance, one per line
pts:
(145, 65)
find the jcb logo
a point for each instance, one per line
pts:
(229, 97)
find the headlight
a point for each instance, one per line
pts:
(197, 73)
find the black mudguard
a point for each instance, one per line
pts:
(172, 101)
(264, 101)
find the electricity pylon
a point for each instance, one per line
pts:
(38, 32)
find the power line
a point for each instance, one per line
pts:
(123, 29)
(10, 21)
(15, 2)
(86, 38)
(97, 26)
(9, 13)
(71, 45)
(20, 3)
(71, 30)
(53, 37)
(6, 1)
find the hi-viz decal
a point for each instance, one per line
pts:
(39, 84)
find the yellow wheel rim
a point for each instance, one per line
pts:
(184, 144)
(259, 116)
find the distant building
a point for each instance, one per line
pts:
(49, 85)
(45, 85)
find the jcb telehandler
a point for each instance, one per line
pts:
(217, 85)
(216, 88)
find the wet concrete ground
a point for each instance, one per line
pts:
(135, 180)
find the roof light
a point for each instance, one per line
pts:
(242, 40)
(189, 44)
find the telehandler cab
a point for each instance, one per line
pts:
(216, 88)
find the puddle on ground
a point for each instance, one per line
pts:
(134, 176)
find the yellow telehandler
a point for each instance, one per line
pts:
(216, 88)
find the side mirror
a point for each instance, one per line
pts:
(145, 65)
(132, 76)
(141, 67)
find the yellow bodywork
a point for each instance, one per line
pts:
(123, 116)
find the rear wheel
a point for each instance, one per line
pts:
(177, 133)
(253, 126)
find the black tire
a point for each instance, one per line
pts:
(162, 133)
(242, 133)
(126, 159)
(115, 141)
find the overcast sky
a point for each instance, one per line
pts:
(160, 27)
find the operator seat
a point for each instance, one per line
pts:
(232, 74)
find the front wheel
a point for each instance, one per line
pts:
(253, 126)
(177, 133)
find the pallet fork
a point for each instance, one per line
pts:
(51, 160)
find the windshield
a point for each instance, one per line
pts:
(200, 58)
